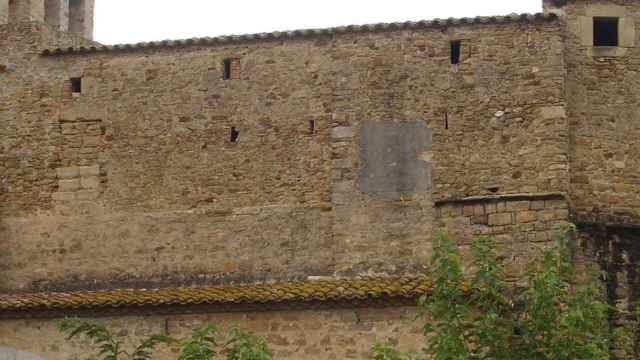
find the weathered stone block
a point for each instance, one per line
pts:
(550, 215)
(342, 164)
(526, 216)
(91, 141)
(537, 205)
(68, 172)
(63, 196)
(467, 210)
(490, 208)
(86, 195)
(538, 237)
(556, 204)
(500, 219)
(344, 186)
(68, 185)
(90, 182)
(87, 171)
(342, 132)
(518, 205)
(552, 112)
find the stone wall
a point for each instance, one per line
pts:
(522, 225)
(603, 111)
(343, 144)
(311, 334)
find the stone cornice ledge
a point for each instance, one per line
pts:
(502, 197)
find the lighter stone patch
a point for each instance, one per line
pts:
(86, 171)
(68, 172)
(342, 132)
(552, 112)
(12, 354)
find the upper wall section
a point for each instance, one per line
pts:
(316, 156)
(75, 16)
(602, 91)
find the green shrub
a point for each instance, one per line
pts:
(205, 343)
(484, 317)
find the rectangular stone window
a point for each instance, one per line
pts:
(235, 134)
(226, 71)
(76, 86)
(455, 51)
(605, 31)
(13, 11)
(231, 69)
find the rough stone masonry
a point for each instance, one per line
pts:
(304, 158)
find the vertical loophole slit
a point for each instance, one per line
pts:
(234, 135)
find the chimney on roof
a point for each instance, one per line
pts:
(64, 15)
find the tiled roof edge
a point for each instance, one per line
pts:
(329, 291)
(284, 35)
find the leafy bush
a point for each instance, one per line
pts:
(485, 317)
(204, 343)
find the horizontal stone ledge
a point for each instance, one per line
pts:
(502, 197)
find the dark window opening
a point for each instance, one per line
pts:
(13, 11)
(312, 126)
(76, 85)
(446, 120)
(226, 72)
(455, 51)
(234, 135)
(605, 31)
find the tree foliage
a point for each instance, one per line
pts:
(205, 343)
(484, 317)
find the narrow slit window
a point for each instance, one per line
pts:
(446, 120)
(605, 31)
(455, 51)
(234, 135)
(76, 85)
(312, 126)
(13, 11)
(226, 72)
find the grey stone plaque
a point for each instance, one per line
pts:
(390, 152)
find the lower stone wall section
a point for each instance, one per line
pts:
(522, 224)
(305, 334)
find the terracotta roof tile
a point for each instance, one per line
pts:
(306, 291)
(284, 35)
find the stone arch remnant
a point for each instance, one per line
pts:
(12, 354)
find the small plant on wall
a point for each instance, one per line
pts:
(559, 315)
(205, 343)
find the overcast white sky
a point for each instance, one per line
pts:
(128, 21)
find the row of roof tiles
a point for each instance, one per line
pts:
(306, 291)
(283, 35)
